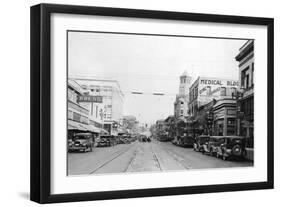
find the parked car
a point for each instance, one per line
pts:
(211, 147)
(106, 141)
(199, 141)
(232, 146)
(81, 142)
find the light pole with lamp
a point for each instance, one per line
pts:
(239, 114)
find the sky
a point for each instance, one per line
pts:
(150, 64)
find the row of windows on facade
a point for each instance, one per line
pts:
(72, 96)
(94, 88)
(83, 119)
(247, 106)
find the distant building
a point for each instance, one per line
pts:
(111, 109)
(181, 102)
(205, 89)
(245, 109)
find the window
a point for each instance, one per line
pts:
(69, 114)
(245, 78)
(223, 91)
(233, 92)
(76, 116)
(247, 81)
(181, 112)
(182, 103)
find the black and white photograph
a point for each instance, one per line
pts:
(144, 103)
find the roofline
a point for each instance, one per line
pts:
(101, 80)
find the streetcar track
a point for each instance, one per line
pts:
(156, 159)
(175, 157)
(110, 160)
(132, 160)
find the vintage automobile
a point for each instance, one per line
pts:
(185, 141)
(81, 142)
(199, 141)
(211, 147)
(106, 141)
(232, 146)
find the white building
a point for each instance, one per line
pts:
(77, 112)
(205, 89)
(110, 111)
(182, 98)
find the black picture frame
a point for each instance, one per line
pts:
(40, 185)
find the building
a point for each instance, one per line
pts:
(181, 102)
(224, 117)
(205, 89)
(245, 99)
(171, 127)
(110, 111)
(77, 113)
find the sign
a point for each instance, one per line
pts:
(88, 98)
(219, 82)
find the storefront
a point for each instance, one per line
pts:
(224, 113)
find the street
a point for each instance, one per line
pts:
(144, 156)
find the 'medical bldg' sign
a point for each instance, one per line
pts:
(88, 98)
(215, 88)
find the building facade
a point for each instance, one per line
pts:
(224, 117)
(205, 89)
(245, 102)
(182, 98)
(110, 111)
(78, 114)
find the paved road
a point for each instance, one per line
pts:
(141, 157)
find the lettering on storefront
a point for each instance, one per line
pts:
(88, 98)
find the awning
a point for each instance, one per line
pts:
(72, 125)
(92, 128)
(104, 131)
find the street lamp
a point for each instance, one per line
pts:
(237, 95)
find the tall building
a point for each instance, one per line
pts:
(245, 101)
(110, 111)
(181, 102)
